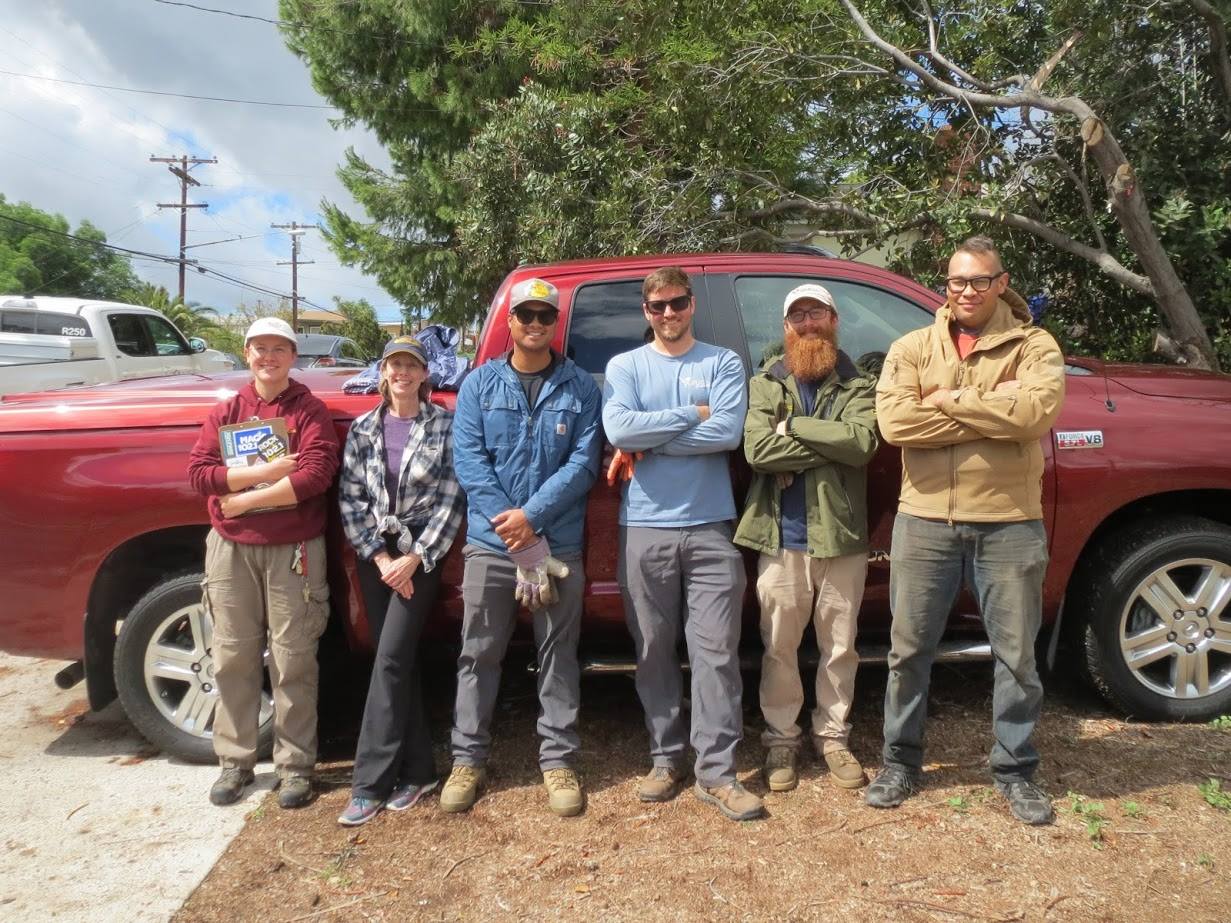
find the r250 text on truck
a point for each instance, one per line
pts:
(103, 539)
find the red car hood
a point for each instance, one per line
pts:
(1171, 381)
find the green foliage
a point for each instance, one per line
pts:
(1221, 723)
(959, 804)
(1132, 809)
(1091, 814)
(361, 325)
(1206, 861)
(1211, 791)
(41, 260)
(523, 132)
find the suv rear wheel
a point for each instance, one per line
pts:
(1158, 636)
(164, 672)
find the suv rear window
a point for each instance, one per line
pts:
(869, 318)
(45, 322)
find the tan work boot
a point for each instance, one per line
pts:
(733, 800)
(779, 771)
(844, 769)
(662, 784)
(564, 794)
(462, 788)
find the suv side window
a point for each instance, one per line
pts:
(131, 337)
(350, 350)
(19, 322)
(63, 325)
(870, 318)
(167, 340)
(605, 319)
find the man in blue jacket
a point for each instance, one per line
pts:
(679, 404)
(526, 446)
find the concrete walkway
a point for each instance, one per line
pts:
(96, 824)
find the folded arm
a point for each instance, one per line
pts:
(1020, 414)
(904, 419)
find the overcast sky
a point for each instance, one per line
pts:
(84, 152)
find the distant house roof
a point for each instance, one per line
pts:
(320, 316)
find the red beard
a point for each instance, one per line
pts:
(811, 359)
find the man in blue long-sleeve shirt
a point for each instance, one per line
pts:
(677, 406)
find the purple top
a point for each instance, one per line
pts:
(397, 432)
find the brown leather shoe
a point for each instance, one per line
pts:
(733, 800)
(661, 784)
(844, 769)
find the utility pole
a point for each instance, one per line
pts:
(295, 230)
(181, 172)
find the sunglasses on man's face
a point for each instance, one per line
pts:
(546, 317)
(678, 304)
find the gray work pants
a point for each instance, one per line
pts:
(490, 615)
(689, 578)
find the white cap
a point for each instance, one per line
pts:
(534, 290)
(271, 327)
(808, 290)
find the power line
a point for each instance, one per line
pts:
(214, 99)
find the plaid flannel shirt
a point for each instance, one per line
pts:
(430, 503)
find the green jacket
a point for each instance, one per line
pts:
(831, 447)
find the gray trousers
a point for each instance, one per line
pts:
(490, 615)
(692, 578)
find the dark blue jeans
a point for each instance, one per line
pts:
(1004, 564)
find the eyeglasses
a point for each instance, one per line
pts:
(956, 284)
(798, 317)
(678, 304)
(546, 317)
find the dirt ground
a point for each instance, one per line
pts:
(1134, 840)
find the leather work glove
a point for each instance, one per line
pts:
(535, 570)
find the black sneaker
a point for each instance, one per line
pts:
(230, 786)
(294, 791)
(1029, 803)
(891, 787)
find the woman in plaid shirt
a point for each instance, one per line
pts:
(401, 508)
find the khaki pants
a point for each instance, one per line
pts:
(793, 590)
(255, 599)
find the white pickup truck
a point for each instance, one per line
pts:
(48, 343)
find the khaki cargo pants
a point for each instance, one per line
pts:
(257, 598)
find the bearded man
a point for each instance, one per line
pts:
(809, 435)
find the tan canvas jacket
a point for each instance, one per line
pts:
(976, 458)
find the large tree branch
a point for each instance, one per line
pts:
(1218, 48)
(1101, 258)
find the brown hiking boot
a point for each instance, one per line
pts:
(462, 788)
(844, 769)
(564, 794)
(779, 771)
(733, 800)
(662, 784)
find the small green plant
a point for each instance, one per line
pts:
(1206, 861)
(1091, 814)
(1132, 809)
(1221, 723)
(1212, 791)
(959, 804)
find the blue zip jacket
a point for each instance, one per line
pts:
(542, 459)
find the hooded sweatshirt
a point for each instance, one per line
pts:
(311, 434)
(977, 457)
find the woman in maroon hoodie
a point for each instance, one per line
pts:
(265, 566)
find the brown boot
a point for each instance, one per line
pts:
(844, 769)
(733, 800)
(779, 771)
(661, 784)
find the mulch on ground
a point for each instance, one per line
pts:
(1135, 840)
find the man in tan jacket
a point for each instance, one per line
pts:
(968, 399)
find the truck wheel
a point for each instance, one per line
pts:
(164, 672)
(1158, 636)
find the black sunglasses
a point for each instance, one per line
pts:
(546, 317)
(956, 284)
(677, 304)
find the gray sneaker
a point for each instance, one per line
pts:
(230, 786)
(891, 787)
(1029, 803)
